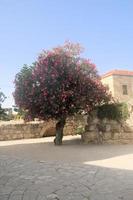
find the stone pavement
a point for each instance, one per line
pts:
(30, 178)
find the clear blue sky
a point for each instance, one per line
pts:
(103, 27)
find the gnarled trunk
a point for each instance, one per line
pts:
(59, 131)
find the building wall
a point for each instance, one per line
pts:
(119, 81)
(116, 82)
(108, 81)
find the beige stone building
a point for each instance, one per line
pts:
(120, 83)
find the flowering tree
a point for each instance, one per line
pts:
(59, 84)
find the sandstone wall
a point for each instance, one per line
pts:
(113, 131)
(109, 82)
(118, 92)
(110, 132)
(115, 83)
(21, 130)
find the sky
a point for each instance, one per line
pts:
(103, 27)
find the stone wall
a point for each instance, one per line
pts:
(20, 130)
(113, 132)
(107, 131)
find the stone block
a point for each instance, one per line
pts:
(88, 137)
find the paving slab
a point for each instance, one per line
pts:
(70, 172)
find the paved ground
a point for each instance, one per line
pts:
(38, 170)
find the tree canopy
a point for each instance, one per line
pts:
(2, 112)
(59, 83)
(2, 97)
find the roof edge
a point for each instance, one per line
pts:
(117, 72)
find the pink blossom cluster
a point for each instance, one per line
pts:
(59, 84)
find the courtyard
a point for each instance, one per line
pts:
(35, 169)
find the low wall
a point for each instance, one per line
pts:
(113, 132)
(20, 130)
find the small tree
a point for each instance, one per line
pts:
(58, 85)
(2, 112)
(2, 97)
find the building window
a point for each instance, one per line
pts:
(124, 89)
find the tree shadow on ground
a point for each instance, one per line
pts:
(38, 180)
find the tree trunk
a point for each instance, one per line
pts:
(59, 131)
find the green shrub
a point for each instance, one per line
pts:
(21, 113)
(80, 129)
(113, 111)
